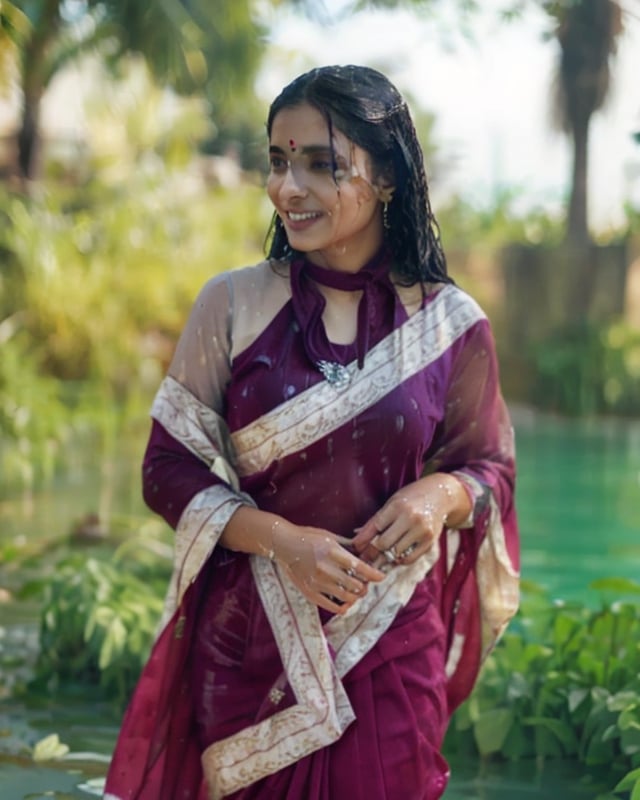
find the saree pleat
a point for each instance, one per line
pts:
(399, 696)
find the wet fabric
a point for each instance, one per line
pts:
(250, 692)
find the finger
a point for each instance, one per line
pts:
(371, 555)
(360, 569)
(326, 600)
(331, 603)
(364, 535)
(344, 542)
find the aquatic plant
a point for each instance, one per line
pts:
(564, 682)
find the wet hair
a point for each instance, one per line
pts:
(367, 108)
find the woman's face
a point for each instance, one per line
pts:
(330, 209)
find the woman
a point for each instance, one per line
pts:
(333, 450)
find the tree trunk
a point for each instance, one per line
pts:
(577, 218)
(580, 252)
(29, 136)
(35, 78)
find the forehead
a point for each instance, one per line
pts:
(305, 125)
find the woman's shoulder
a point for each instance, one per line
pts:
(266, 274)
(444, 299)
(251, 283)
(251, 298)
(453, 297)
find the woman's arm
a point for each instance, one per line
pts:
(471, 457)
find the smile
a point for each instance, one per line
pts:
(301, 217)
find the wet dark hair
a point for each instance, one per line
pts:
(367, 108)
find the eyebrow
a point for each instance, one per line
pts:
(307, 150)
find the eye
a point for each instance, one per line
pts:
(319, 164)
(277, 164)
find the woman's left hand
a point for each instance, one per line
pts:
(409, 523)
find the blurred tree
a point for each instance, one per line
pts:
(587, 32)
(205, 45)
(210, 46)
(14, 27)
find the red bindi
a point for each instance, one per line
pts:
(292, 145)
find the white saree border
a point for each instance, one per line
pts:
(498, 587)
(322, 711)
(323, 408)
(197, 534)
(498, 581)
(197, 427)
(205, 433)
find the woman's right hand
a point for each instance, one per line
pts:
(324, 571)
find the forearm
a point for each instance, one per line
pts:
(253, 531)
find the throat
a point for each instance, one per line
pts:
(340, 315)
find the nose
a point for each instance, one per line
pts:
(293, 184)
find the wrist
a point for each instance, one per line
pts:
(256, 532)
(455, 500)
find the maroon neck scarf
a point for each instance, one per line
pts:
(377, 310)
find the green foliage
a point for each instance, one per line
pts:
(97, 624)
(102, 278)
(467, 225)
(589, 369)
(33, 420)
(564, 682)
(97, 285)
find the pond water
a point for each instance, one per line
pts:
(578, 496)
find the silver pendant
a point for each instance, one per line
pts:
(335, 374)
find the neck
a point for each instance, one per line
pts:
(345, 258)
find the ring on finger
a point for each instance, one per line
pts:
(390, 554)
(350, 572)
(408, 550)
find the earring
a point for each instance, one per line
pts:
(385, 216)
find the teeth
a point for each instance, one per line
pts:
(300, 217)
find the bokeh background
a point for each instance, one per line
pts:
(132, 168)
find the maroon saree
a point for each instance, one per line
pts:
(251, 692)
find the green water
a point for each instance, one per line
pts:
(578, 496)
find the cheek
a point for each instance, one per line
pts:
(273, 187)
(363, 190)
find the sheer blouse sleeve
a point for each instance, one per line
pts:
(189, 450)
(475, 438)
